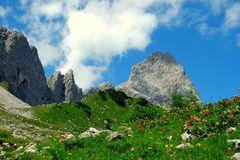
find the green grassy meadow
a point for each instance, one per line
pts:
(156, 131)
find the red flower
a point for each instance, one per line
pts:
(196, 118)
(204, 120)
(216, 105)
(231, 116)
(235, 97)
(207, 113)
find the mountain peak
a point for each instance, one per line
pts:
(156, 78)
(161, 56)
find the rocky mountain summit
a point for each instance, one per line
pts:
(156, 78)
(64, 87)
(21, 68)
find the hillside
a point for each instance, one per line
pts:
(144, 131)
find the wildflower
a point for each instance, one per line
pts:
(132, 149)
(235, 97)
(207, 113)
(231, 116)
(224, 123)
(204, 120)
(221, 115)
(189, 121)
(216, 105)
(196, 118)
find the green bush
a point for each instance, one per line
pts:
(118, 97)
(73, 143)
(179, 100)
(142, 101)
(6, 86)
(144, 112)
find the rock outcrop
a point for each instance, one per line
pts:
(64, 87)
(21, 68)
(105, 86)
(156, 78)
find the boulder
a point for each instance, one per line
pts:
(30, 148)
(67, 137)
(156, 78)
(236, 156)
(91, 132)
(236, 142)
(114, 136)
(231, 129)
(187, 137)
(184, 146)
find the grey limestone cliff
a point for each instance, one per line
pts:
(21, 68)
(64, 87)
(156, 78)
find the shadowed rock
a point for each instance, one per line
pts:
(64, 88)
(21, 68)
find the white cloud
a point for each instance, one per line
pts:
(232, 17)
(3, 11)
(49, 10)
(86, 34)
(206, 30)
(49, 52)
(217, 6)
(102, 30)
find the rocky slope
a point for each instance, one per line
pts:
(156, 78)
(64, 87)
(21, 68)
(12, 104)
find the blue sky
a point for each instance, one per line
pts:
(102, 40)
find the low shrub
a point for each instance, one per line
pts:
(118, 97)
(6, 86)
(183, 101)
(144, 112)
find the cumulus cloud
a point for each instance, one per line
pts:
(232, 17)
(86, 34)
(206, 30)
(44, 29)
(3, 11)
(217, 6)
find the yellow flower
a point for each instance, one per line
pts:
(132, 149)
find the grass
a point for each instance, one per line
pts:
(6, 86)
(91, 112)
(156, 131)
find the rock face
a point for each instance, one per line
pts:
(105, 86)
(21, 68)
(156, 78)
(64, 87)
